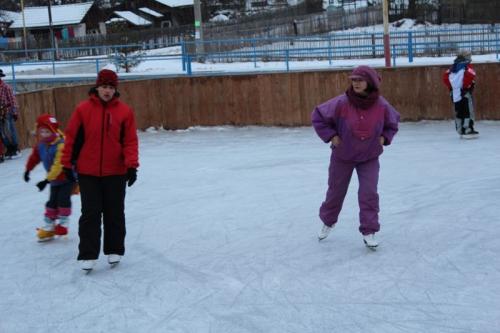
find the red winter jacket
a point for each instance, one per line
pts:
(468, 81)
(101, 138)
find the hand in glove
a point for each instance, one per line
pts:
(335, 141)
(70, 175)
(26, 176)
(131, 176)
(41, 185)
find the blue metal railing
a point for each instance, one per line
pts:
(330, 47)
(425, 42)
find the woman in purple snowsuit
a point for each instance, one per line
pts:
(358, 124)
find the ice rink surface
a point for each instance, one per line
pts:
(222, 237)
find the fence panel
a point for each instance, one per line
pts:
(285, 99)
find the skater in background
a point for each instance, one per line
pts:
(102, 145)
(357, 124)
(460, 80)
(1, 151)
(8, 117)
(48, 150)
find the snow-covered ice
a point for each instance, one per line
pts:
(222, 237)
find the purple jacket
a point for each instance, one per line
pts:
(359, 130)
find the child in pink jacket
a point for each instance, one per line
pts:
(357, 124)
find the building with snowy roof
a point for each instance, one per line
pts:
(68, 21)
(162, 13)
(131, 18)
(6, 20)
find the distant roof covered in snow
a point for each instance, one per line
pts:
(176, 3)
(8, 16)
(219, 18)
(132, 18)
(38, 17)
(115, 19)
(150, 12)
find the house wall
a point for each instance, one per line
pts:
(94, 17)
(80, 30)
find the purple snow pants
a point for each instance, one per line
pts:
(340, 173)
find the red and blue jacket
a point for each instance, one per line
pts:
(50, 156)
(459, 79)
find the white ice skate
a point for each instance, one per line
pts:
(15, 155)
(325, 231)
(370, 241)
(114, 259)
(87, 265)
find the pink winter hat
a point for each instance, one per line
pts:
(367, 74)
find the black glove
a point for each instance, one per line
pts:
(131, 176)
(70, 175)
(14, 116)
(41, 185)
(26, 176)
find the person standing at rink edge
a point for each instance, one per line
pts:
(102, 147)
(357, 124)
(8, 117)
(460, 81)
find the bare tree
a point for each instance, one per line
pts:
(412, 6)
(8, 5)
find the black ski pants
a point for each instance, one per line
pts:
(60, 196)
(102, 197)
(464, 115)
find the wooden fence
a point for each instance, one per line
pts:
(280, 99)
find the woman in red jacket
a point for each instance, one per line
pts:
(102, 147)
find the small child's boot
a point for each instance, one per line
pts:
(46, 232)
(61, 229)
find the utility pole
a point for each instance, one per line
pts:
(198, 26)
(387, 45)
(24, 31)
(51, 31)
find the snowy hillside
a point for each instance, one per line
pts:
(222, 227)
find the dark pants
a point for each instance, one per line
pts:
(9, 135)
(101, 197)
(59, 203)
(464, 115)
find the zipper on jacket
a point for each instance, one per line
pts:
(102, 138)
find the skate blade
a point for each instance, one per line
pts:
(469, 137)
(46, 239)
(371, 247)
